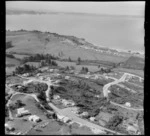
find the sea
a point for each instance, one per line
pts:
(117, 32)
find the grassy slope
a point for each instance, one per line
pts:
(134, 62)
(132, 71)
(29, 42)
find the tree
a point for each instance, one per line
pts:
(19, 104)
(69, 59)
(86, 70)
(78, 61)
(67, 68)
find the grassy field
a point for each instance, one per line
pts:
(77, 67)
(132, 71)
(20, 56)
(12, 61)
(14, 80)
(35, 42)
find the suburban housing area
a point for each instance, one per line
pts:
(58, 94)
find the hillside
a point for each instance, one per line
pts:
(133, 62)
(32, 42)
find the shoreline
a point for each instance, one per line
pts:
(100, 46)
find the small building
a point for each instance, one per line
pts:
(132, 129)
(97, 131)
(68, 102)
(88, 73)
(22, 112)
(56, 97)
(19, 86)
(75, 110)
(34, 118)
(92, 118)
(108, 91)
(60, 116)
(38, 74)
(51, 70)
(67, 77)
(65, 119)
(25, 74)
(128, 104)
(84, 114)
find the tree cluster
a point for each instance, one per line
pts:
(33, 88)
(24, 69)
(39, 57)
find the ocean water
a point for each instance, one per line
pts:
(126, 33)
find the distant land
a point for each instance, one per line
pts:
(21, 11)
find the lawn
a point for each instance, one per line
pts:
(77, 67)
(12, 61)
(132, 71)
(133, 87)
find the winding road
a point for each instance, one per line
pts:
(67, 111)
(122, 79)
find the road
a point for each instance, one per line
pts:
(67, 111)
(122, 79)
(123, 106)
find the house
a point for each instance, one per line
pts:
(25, 74)
(92, 118)
(97, 131)
(51, 70)
(56, 97)
(38, 74)
(75, 110)
(34, 118)
(65, 119)
(128, 104)
(22, 112)
(88, 73)
(60, 116)
(84, 114)
(67, 77)
(108, 91)
(68, 102)
(131, 129)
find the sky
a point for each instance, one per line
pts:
(114, 8)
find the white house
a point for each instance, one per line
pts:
(92, 118)
(34, 118)
(132, 129)
(22, 112)
(67, 77)
(38, 74)
(25, 74)
(56, 97)
(97, 131)
(128, 104)
(65, 119)
(60, 116)
(68, 102)
(84, 114)
(51, 70)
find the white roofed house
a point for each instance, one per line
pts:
(128, 104)
(22, 112)
(56, 97)
(92, 118)
(34, 118)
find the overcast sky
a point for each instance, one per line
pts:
(117, 8)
